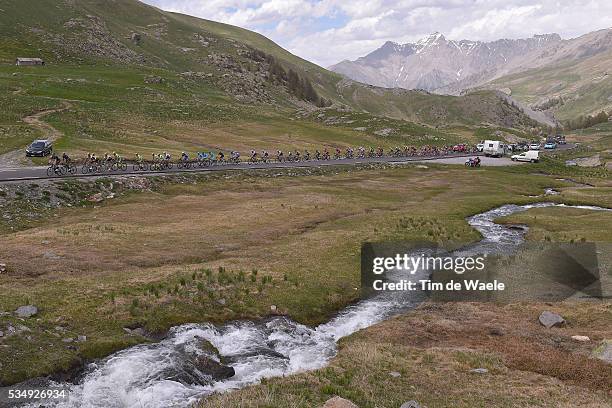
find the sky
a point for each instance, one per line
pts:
(328, 31)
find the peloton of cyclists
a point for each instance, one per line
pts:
(109, 161)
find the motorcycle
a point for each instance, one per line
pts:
(472, 162)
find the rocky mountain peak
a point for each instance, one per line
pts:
(435, 63)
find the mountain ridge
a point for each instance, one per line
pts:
(466, 59)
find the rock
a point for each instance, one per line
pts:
(222, 301)
(394, 374)
(273, 308)
(139, 331)
(338, 402)
(1, 333)
(581, 338)
(213, 368)
(207, 346)
(550, 319)
(496, 331)
(68, 340)
(2, 268)
(26, 311)
(593, 161)
(604, 351)
(136, 38)
(51, 255)
(81, 339)
(421, 166)
(152, 79)
(479, 371)
(95, 198)
(410, 404)
(384, 132)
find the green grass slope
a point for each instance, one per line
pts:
(581, 87)
(141, 79)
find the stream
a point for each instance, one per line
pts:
(153, 375)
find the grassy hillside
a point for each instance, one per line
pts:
(581, 87)
(140, 79)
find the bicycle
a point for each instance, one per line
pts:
(90, 167)
(70, 168)
(140, 166)
(183, 164)
(56, 170)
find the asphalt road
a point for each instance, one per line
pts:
(40, 173)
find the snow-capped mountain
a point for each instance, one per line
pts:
(435, 63)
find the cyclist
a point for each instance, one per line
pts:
(221, 157)
(203, 157)
(306, 155)
(54, 160)
(279, 156)
(317, 155)
(66, 159)
(265, 156)
(184, 157)
(253, 158)
(338, 153)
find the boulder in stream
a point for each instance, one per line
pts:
(215, 369)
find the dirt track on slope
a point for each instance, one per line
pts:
(16, 158)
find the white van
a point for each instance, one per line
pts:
(532, 156)
(494, 148)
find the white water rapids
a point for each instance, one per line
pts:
(148, 375)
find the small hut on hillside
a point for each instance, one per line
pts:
(29, 61)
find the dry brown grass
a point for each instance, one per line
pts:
(237, 221)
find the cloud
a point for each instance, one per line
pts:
(327, 31)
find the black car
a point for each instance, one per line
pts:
(39, 148)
